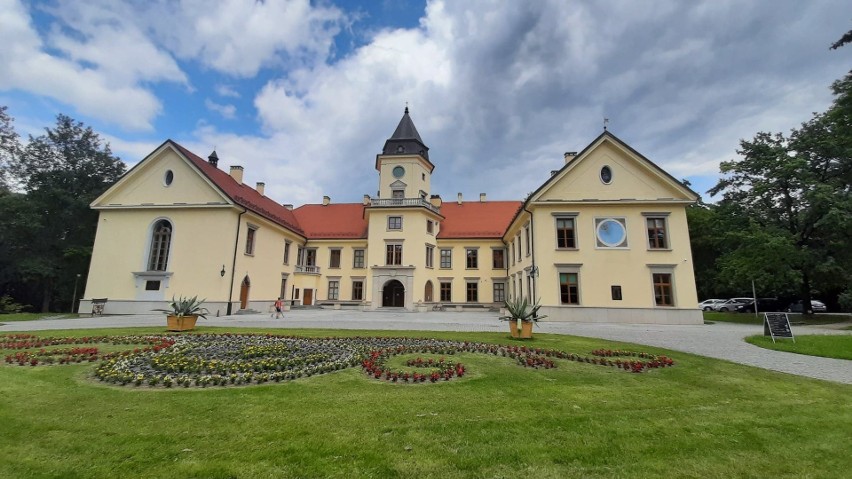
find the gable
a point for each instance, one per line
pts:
(634, 177)
(145, 184)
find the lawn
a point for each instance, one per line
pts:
(700, 418)
(795, 318)
(6, 318)
(834, 346)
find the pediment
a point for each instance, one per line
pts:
(398, 184)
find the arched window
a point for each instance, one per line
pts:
(161, 239)
(428, 293)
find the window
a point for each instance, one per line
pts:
(161, 239)
(430, 253)
(311, 257)
(333, 289)
(358, 262)
(446, 258)
(394, 222)
(657, 233)
(357, 290)
(296, 293)
(300, 256)
(611, 232)
(430, 226)
(569, 288)
(527, 234)
(286, 252)
(472, 261)
(170, 176)
(152, 285)
(519, 247)
(398, 194)
(446, 291)
(565, 235)
(283, 292)
(499, 292)
(616, 293)
(334, 258)
(498, 258)
(472, 292)
(663, 289)
(512, 249)
(250, 236)
(394, 254)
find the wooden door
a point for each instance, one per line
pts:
(308, 297)
(244, 292)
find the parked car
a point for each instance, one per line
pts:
(817, 306)
(708, 304)
(731, 304)
(763, 305)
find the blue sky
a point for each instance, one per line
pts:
(303, 94)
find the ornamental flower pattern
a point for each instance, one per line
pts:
(229, 359)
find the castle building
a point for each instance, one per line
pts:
(603, 239)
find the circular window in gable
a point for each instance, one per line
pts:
(611, 233)
(170, 176)
(606, 175)
(398, 171)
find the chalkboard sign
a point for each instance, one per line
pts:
(777, 325)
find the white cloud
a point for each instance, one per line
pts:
(227, 91)
(228, 112)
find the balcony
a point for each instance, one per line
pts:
(307, 269)
(403, 202)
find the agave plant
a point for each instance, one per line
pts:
(521, 309)
(184, 306)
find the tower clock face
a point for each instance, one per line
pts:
(398, 171)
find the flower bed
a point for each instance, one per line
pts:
(204, 360)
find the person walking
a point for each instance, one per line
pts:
(278, 306)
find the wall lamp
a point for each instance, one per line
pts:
(222, 273)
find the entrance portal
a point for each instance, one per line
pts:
(244, 292)
(393, 294)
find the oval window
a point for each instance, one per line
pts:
(398, 171)
(606, 175)
(170, 176)
(611, 233)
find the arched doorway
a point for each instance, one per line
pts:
(244, 292)
(393, 294)
(427, 296)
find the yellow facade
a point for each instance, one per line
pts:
(239, 250)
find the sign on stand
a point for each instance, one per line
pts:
(777, 325)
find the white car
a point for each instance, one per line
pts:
(709, 304)
(731, 304)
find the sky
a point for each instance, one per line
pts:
(304, 94)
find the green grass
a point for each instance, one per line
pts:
(702, 418)
(834, 346)
(795, 318)
(5, 318)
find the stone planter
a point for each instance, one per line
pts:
(181, 323)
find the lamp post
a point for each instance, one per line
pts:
(74, 296)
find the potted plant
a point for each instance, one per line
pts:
(183, 313)
(521, 316)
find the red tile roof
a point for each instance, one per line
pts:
(244, 195)
(475, 219)
(333, 221)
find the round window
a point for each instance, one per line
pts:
(398, 171)
(606, 175)
(611, 233)
(170, 176)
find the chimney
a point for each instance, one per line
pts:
(288, 206)
(326, 200)
(482, 197)
(460, 198)
(260, 186)
(569, 155)
(366, 200)
(237, 174)
(436, 201)
(213, 159)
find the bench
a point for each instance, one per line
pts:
(98, 306)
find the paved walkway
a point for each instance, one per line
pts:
(719, 340)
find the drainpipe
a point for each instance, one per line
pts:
(234, 262)
(533, 270)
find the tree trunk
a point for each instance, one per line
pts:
(806, 294)
(45, 300)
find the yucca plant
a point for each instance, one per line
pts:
(521, 309)
(184, 306)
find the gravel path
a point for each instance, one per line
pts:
(719, 340)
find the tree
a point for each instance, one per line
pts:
(61, 172)
(9, 147)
